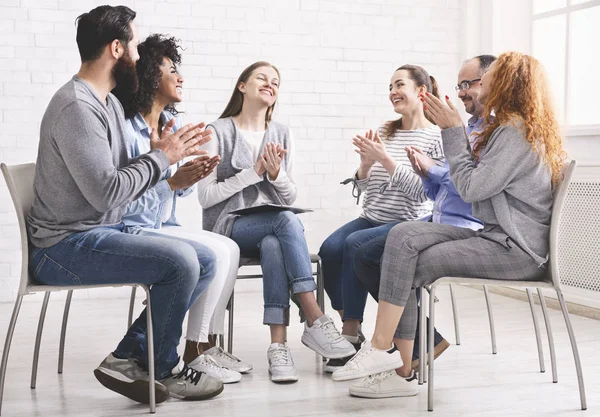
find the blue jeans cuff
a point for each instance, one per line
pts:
(352, 317)
(276, 315)
(300, 285)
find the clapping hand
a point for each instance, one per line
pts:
(443, 115)
(271, 159)
(421, 163)
(193, 171)
(370, 148)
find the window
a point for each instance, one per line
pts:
(564, 39)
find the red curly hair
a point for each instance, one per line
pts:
(520, 96)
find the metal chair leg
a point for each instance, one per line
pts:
(491, 317)
(422, 335)
(230, 329)
(430, 343)
(63, 332)
(320, 288)
(7, 342)
(550, 336)
(131, 305)
(38, 339)
(455, 314)
(565, 311)
(536, 328)
(150, 342)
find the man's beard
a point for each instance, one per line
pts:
(125, 77)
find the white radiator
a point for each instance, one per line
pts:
(579, 233)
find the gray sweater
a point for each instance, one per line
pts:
(510, 188)
(83, 177)
(236, 157)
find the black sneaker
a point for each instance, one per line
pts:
(335, 364)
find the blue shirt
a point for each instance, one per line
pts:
(157, 205)
(448, 207)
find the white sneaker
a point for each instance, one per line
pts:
(211, 367)
(281, 364)
(368, 361)
(385, 385)
(227, 360)
(324, 338)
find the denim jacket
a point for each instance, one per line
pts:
(448, 207)
(158, 202)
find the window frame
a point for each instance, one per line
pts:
(569, 129)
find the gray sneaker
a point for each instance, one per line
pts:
(192, 385)
(281, 364)
(126, 377)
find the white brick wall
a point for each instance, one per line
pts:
(335, 57)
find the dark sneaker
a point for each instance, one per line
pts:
(437, 351)
(333, 364)
(126, 377)
(193, 385)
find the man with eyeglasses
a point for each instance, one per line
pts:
(468, 88)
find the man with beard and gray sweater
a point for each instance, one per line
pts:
(83, 183)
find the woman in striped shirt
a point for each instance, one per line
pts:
(393, 194)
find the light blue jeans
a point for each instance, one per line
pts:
(179, 271)
(278, 239)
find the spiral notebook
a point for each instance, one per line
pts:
(265, 208)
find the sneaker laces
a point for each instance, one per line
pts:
(359, 355)
(332, 333)
(211, 363)
(191, 374)
(281, 356)
(222, 353)
(377, 378)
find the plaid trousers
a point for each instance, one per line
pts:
(418, 253)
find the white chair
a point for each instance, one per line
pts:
(19, 179)
(551, 280)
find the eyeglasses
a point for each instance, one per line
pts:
(465, 85)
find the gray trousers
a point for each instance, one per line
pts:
(418, 253)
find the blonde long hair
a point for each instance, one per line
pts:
(520, 95)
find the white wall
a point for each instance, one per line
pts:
(335, 56)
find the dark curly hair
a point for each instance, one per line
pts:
(152, 51)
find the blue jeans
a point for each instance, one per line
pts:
(337, 252)
(367, 264)
(179, 271)
(277, 238)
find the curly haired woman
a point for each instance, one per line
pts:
(508, 179)
(153, 107)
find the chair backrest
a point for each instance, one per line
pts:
(560, 194)
(19, 179)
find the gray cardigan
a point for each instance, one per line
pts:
(235, 157)
(510, 188)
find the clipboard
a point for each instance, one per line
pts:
(265, 208)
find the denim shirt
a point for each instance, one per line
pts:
(159, 201)
(448, 207)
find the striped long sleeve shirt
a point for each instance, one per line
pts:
(400, 197)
